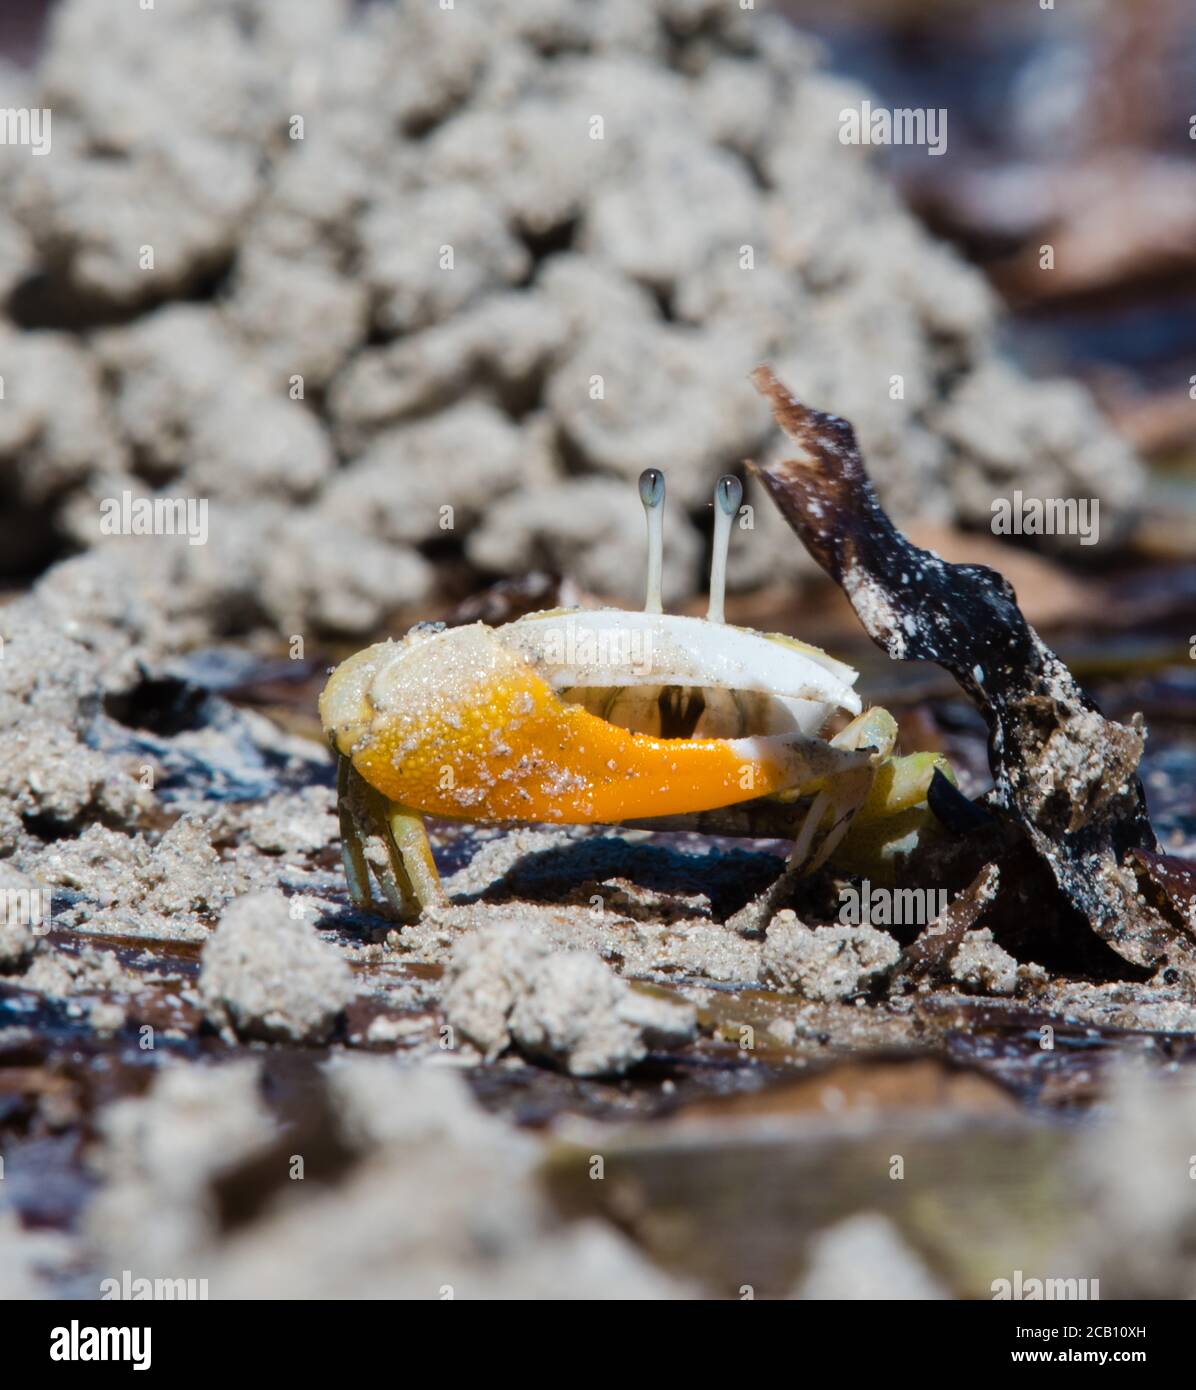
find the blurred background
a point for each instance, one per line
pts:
(296, 178)
(1068, 130)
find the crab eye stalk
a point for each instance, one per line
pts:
(728, 494)
(652, 496)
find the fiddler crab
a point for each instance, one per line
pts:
(602, 716)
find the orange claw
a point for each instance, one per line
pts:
(468, 730)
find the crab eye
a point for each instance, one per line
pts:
(728, 494)
(652, 488)
(652, 496)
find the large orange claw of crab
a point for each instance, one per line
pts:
(468, 722)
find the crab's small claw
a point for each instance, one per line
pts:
(895, 818)
(840, 798)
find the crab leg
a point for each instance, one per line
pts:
(410, 840)
(357, 873)
(843, 800)
(805, 836)
(404, 867)
(844, 794)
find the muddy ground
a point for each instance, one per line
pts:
(576, 1079)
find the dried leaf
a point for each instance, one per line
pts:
(1063, 773)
